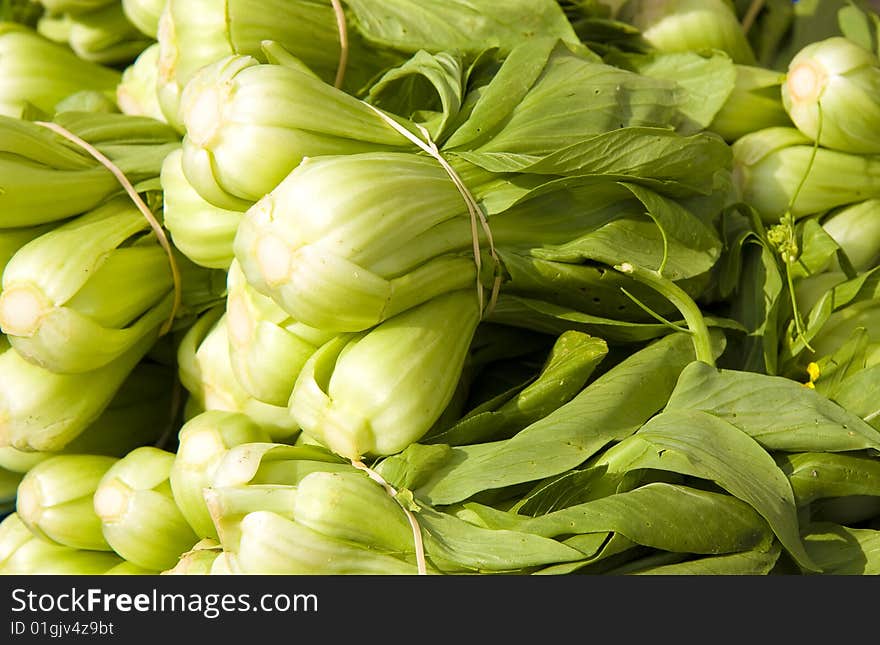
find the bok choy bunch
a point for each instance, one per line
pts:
(46, 178)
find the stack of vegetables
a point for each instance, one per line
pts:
(531, 287)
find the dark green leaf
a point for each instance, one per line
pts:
(610, 408)
(806, 422)
(572, 360)
(820, 475)
(663, 516)
(702, 445)
(841, 550)
(449, 539)
(708, 78)
(758, 562)
(456, 25)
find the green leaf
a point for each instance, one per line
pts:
(860, 291)
(448, 538)
(573, 359)
(806, 422)
(841, 550)
(659, 158)
(857, 27)
(458, 25)
(550, 318)
(427, 89)
(670, 237)
(571, 488)
(575, 96)
(847, 361)
(818, 475)
(860, 395)
(752, 285)
(610, 408)
(507, 88)
(708, 78)
(663, 516)
(818, 249)
(758, 562)
(602, 549)
(699, 444)
(409, 468)
(583, 285)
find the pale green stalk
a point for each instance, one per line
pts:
(269, 542)
(136, 91)
(55, 27)
(257, 327)
(202, 443)
(249, 124)
(344, 260)
(56, 305)
(780, 169)
(350, 506)
(106, 36)
(689, 25)
(195, 33)
(376, 392)
(856, 229)
(258, 463)
(139, 413)
(229, 504)
(24, 553)
(129, 569)
(21, 461)
(45, 178)
(754, 104)
(203, 232)
(12, 239)
(144, 14)
(34, 70)
(206, 373)
(55, 500)
(139, 517)
(832, 92)
(45, 411)
(74, 7)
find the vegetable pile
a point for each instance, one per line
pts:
(415, 287)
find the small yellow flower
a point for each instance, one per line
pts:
(813, 373)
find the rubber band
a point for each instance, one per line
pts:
(343, 43)
(142, 207)
(474, 210)
(414, 524)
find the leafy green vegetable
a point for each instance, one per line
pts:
(611, 407)
(702, 445)
(807, 422)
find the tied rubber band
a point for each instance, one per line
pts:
(343, 43)
(416, 529)
(476, 213)
(142, 207)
